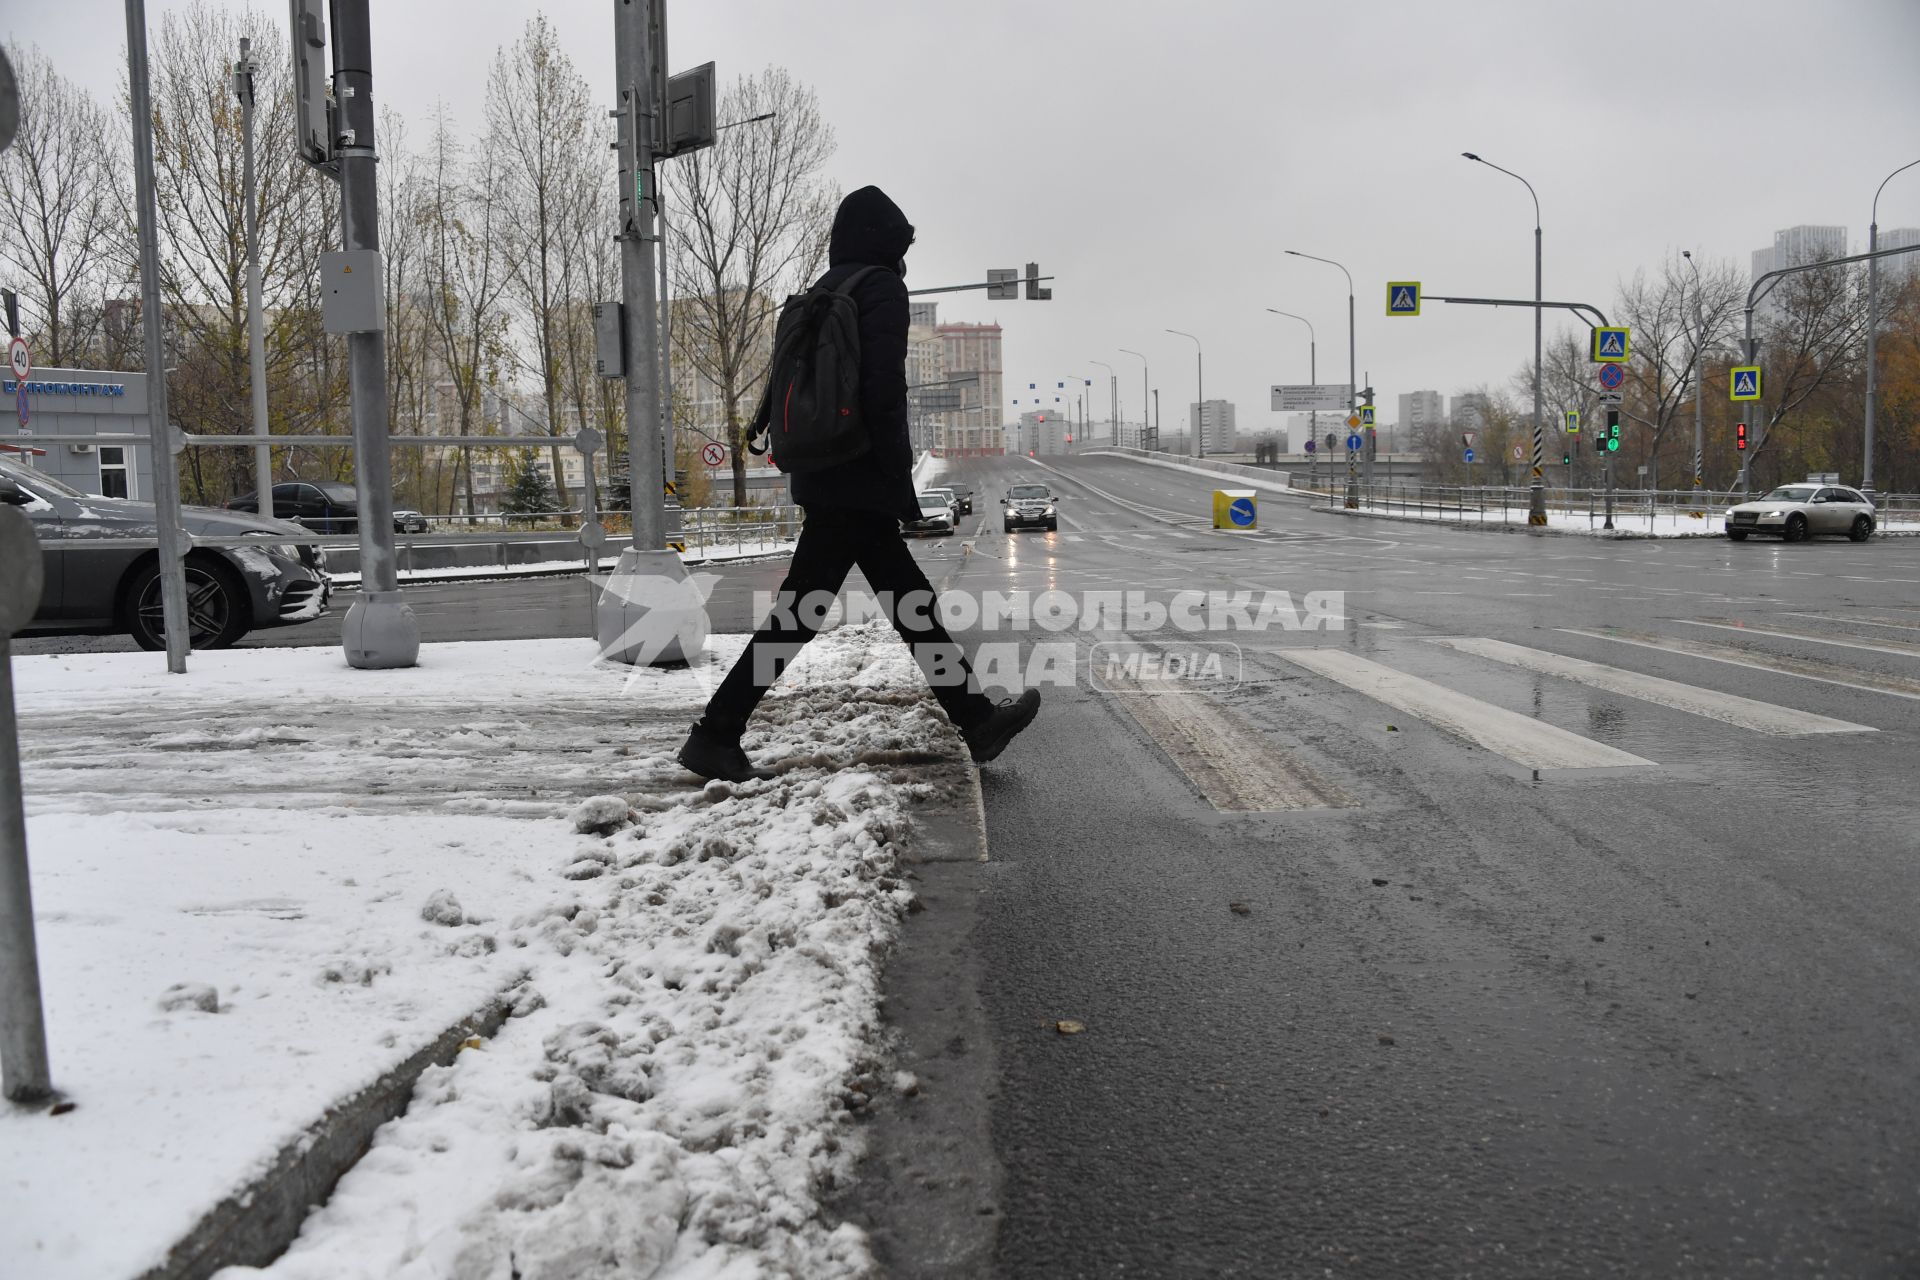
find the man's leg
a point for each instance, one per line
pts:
(821, 558)
(896, 576)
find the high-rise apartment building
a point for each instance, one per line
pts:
(1420, 410)
(1795, 247)
(1896, 271)
(1218, 433)
(977, 427)
(1468, 412)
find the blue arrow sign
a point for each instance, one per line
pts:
(1469, 455)
(1241, 512)
(1354, 441)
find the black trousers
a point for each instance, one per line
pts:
(831, 543)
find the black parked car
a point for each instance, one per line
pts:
(108, 590)
(324, 506)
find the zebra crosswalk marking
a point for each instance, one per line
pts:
(1804, 668)
(1897, 647)
(1529, 743)
(1728, 708)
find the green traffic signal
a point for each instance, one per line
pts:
(1613, 444)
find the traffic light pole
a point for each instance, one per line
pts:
(640, 316)
(380, 631)
(256, 326)
(1761, 288)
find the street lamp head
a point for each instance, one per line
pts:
(1469, 155)
(1687, 254)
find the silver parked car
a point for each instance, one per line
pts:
(1797, 512)
(105, 591)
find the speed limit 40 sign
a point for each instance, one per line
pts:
(19, 359)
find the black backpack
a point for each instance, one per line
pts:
(809, 417)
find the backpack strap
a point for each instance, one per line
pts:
(846, 286)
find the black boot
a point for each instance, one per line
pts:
(990, 737)
(713, 751)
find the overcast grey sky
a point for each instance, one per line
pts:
(1158, 158)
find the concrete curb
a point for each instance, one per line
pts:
(928, 1190)
(254, 1225)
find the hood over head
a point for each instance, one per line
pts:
(869, 229)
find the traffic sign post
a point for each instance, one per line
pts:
(20, 359)
(713, 453)
(1403, 297)
(1611, 343)
(1469, 453)
(1573, 420)
(1743, 383)
(1612, 375)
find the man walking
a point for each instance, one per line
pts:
(854, 510)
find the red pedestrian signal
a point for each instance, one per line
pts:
(1739, 435)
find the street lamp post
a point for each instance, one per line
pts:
(1143, 394)
(1197, 447)
(1699, 372)
(1353, 376)
(1537, 498)
(1873, 327)
(1313, 376)
(243, 73)
(1113, 397)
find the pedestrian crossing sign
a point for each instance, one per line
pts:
(1366, 415)
(1745, 383)
(1403, 297)
(1610, 345)
(1573, 422)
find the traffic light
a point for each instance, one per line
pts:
(1613, 430)
(1034, 292)
(1599, 442)
(1740, 435)
(1566, 459)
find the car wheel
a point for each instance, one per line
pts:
(1006, 526)
(1737, 535)
(1862, 529)
(1053, 526)
(218, 611)
(1796, 530)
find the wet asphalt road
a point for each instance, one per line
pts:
(1657, 1019)
(1646, 1020)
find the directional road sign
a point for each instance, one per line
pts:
(1469, 455)
(1354, 442)
(1311, 398)
(1744, 383)
(19, 358)
(1403, 297)
(1611, 376)
(1611, 344)
(713, 453)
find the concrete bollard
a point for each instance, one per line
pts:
(650, 611)
(380, 631)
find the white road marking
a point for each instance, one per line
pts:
(1850, 620)
(1804, 668)
(1529, 743)
(1729, 708)
(1895, 647)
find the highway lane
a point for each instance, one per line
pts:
(1646, 1011)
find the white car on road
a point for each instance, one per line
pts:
(1797, 512)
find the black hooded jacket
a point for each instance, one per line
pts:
(870, 230)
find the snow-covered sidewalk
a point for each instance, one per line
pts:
(262, 885)
(696, 554)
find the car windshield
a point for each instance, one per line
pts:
(1791, 493)
(944, 493)
(40, 484)
(1029, 491)
(932, 500)
(341, 494)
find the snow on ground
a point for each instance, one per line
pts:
(1627, 519)
(694, 554)
(352, 861)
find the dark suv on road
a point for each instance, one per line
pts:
(1029, 506)
(324, 506)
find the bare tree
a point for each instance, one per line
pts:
(60, 233)
(750, 218)
(1811, 346)
(1672, 316)
(465, 275)
(541, 121)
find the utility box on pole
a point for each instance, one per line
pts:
(608, 360)
(352, 292)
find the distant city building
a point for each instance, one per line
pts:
(1217, 430)
(925, 313)
(1468, 412)
(1419, 411)
(1897, 271)
(1042, 432)
(1795, 247)
(977, 427)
